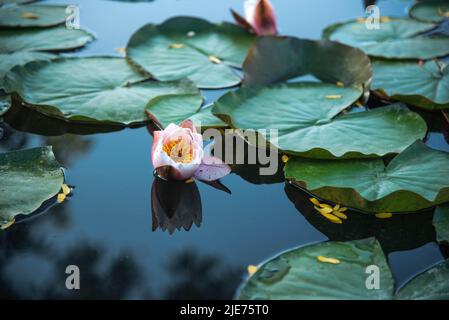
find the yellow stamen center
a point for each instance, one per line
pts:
(179, 150)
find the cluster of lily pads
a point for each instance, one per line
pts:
(312, 92)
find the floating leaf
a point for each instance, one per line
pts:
(430, 11)
(425, 86)
(95, 89)
(415, 179)
(9, 60)
(313, 275)
(32, 16)
(28, 178)
(308, 278)
(188, 47)
(277, 59)
(441, 223)
(395, 39)
(177, 108)
(310, 125)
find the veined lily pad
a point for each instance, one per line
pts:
(441, 223)
(308, 278)
(396, 39)
(310, 122)
(28, 178)
(277, 59)
(430, 10)
(9, 60)
(177, 108)
(94, 89)
(415, 179)
(339, 271)
(32, 16)
(190, 47)
(425, 86)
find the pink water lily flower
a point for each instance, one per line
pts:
(178, 154)
(259, 17)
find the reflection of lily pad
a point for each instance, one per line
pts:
(430, 10)
(28, 178)
(177, 108)
(425, 85)
(277, 59)
(441, 223)
(309, 278)
(396, 38)
(413, 180)
(32, 16)
(95, 89)
(310, 122)
(339, 271)
(190, 47)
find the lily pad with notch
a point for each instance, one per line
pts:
(430, 10)
(337, 271)
(102, 90)
(415, 179)
(311, 122)
(395, 39)
(425, 86)
(190, 47)
(29, 178)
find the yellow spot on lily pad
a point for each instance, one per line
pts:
(252, 269)
(340, 84)
(385, 19)
(61, 197)
(176, 46)
(285, 158)
(7, 224)
(334, 96)
(29, 15)
(214, 59)
(328, 260)
(383, 215)
(66, 189)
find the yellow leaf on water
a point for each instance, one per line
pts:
(323, 210)
(252, 269)
(66, 189)
(214, 59)
(285, 158)
(334, 96)
(315, 201)
(29, 15)
(383, 215)
(328, 260)
(176, 46)
(61, 197)
(340, 215)
(8, 224)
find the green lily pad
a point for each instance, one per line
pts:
(95, 89)
(29, 178)
(181, 47)
(43, 39)
(430, 285)
(277, 59)
(32, 16)
(177, 108)
(430, 11)
(310, 121)
(5, 2)
(307, 278)
(5, 102)
(299, 275)
(441, 223)
(396, 39)
(415, 179)
(425, 86)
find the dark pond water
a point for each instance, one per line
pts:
(106, 227)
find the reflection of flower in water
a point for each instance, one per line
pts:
(175, 205)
